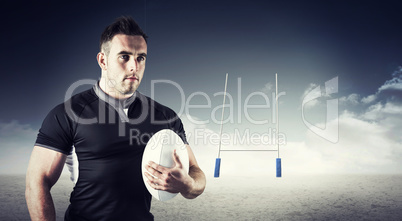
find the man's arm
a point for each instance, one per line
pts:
(176, 179)
(197, 175)
(44, 169)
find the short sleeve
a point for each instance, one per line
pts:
(56, 132)
(177, 126)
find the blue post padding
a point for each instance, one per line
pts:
(217, 167)
(278, 167)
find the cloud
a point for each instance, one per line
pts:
(314, 91)
(369, 99)
(369, 140)
(379, 111)
(363, 147)
(391, 90)
(16, 143)
(350, 99)
(369, 135)
(395, 83)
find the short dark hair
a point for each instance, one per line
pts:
(123, 25)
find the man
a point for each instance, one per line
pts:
(91, 133)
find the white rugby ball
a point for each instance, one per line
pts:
(159, 149)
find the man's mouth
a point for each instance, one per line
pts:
(133, 78)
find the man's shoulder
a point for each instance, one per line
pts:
(76, 102)
(83, 98)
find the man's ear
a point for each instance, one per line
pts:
(101, 57)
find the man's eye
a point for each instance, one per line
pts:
(125, 57)
(140, 59)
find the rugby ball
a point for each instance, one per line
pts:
(159, 149)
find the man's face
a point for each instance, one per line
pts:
(125, 64)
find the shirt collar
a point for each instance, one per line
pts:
(116, 103)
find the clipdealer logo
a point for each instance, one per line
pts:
(330, 133)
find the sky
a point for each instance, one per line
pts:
(338, 64)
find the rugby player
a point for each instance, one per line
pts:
(90, 133)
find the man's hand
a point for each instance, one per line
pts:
(174, 180)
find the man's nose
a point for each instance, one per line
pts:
(133, 65)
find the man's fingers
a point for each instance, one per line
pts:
(153, 181)
(156, 186)
(150, 177)
(162, 178)
(153, 171)
(156, 183)
(156, 167)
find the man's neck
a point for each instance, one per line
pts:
(111, 91)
